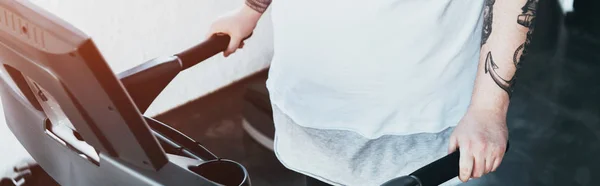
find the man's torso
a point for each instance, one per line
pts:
(375, 67)
(364, 91)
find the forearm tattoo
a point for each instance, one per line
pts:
(490, 68)
(526, 19)
(259, 5)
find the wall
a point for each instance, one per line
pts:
(133, 31)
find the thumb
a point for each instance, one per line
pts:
(234, 44)
(214, 29)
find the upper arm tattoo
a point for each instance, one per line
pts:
(488, 15)
(526, 19)
(259, 5)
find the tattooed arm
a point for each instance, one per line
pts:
(506, 33)
(482, 134)
(258, 5)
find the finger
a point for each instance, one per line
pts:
(466, 164)
(242, 44)
(479, 166)
(453, 144)
(211, 31)
(498, 161)
(208, 35)
(489, 164)
(234, 43)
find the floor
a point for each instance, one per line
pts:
(554, 118)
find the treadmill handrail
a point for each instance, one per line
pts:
(206, 49)
(146, 81)
(434, 173)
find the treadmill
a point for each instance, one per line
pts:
(83, 124)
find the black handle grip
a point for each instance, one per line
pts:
(440, 170)
(212, 46)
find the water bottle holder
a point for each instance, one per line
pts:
(221, 171)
